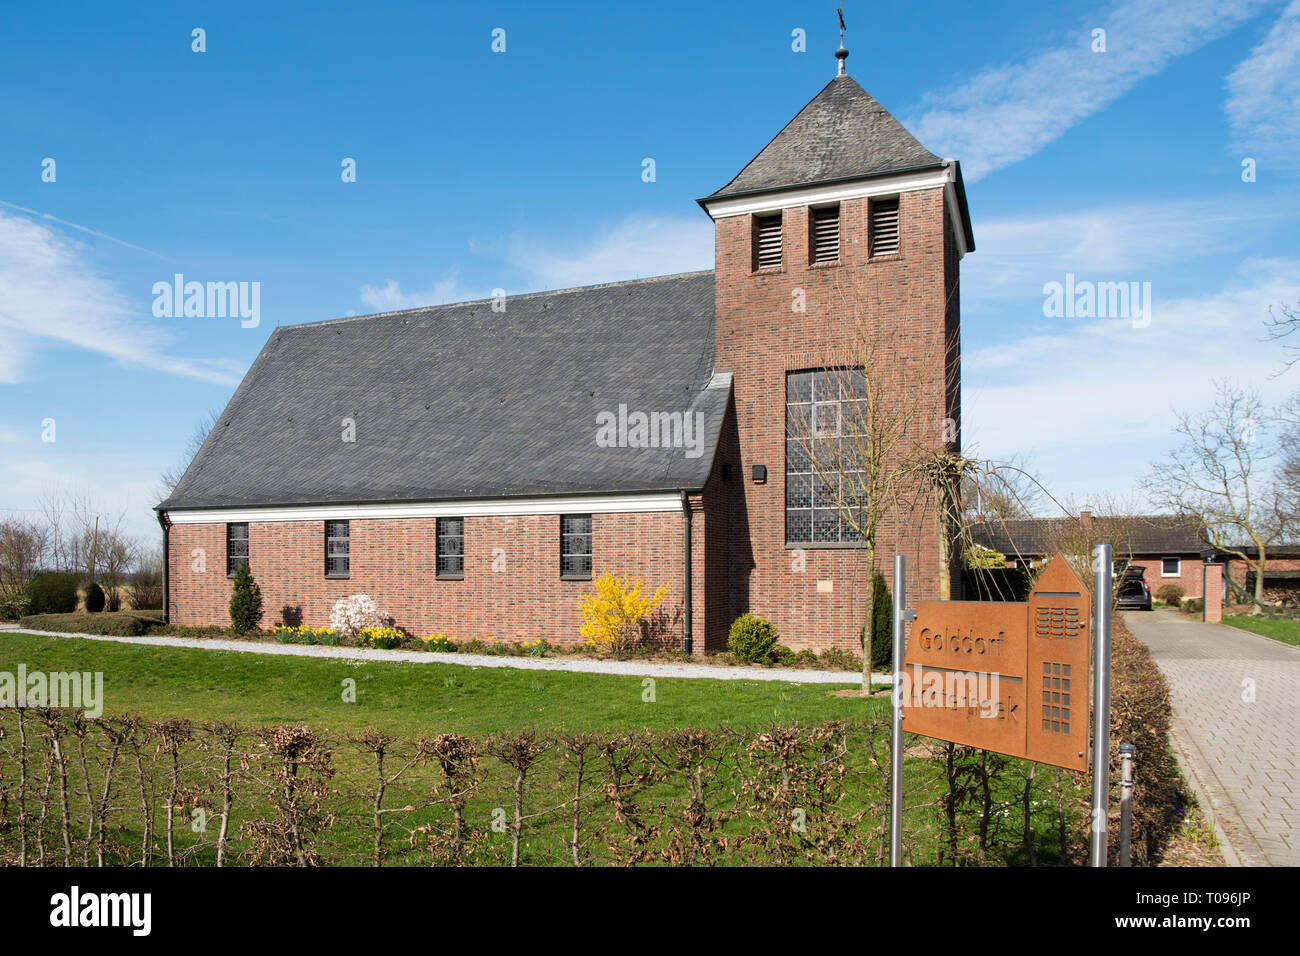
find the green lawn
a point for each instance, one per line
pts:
(421, 700)
(412, 699)
(1288, 632)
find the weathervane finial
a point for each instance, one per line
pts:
(841, 54)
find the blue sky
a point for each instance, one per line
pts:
(522, 170)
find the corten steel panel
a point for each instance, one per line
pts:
(1057, 675)
(1004, 676)
(955, 644)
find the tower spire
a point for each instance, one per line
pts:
(841, 54)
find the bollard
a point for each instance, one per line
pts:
(1126, 804)
(1102, 597)
(896, 716)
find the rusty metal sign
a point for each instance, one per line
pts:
(1004, 676)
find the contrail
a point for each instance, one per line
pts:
(92, 232)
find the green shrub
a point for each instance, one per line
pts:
(245, 602)
(783, 655)
(752, 639)
(94, 598)
(53, 593)
(1193, 606)
(805, 658)
(842, 659)
(12, 606)
(882, 626)
(1171, 594)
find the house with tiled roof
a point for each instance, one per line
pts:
(1171, 548)
(472, 467)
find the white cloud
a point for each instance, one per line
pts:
(49, 295)
(1102, 385)
(1263, 106)
(391, 298)
(1116, 243)
(1010, 112)
(639, 245)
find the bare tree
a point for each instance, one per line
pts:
(171, 477)
(1002, 490)
(1106, 520)
(1218, 474)
(23, 549)
(1280, 325)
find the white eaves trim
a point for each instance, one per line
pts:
(470, 508)
(945, 179)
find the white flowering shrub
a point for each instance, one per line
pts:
(351, 615)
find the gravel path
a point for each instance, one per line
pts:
(578, 665)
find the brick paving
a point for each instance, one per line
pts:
(1236, 699)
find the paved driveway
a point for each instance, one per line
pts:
(1236, 699)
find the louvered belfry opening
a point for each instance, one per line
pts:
(767, 241)
(884, 226)
(826, 234)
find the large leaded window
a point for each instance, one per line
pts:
(825, 427)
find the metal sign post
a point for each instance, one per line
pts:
(1126, 805)
(896, 720)
(1102, 573)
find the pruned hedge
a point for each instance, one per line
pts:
(108, 623)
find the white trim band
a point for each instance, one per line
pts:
(468, 508)
(944, 179)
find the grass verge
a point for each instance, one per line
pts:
(1288, 632)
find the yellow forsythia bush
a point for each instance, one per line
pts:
(618, 606)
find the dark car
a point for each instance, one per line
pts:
(1133, 590)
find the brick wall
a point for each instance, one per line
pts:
(1239, 569)
(392, 560)
(1189, 576)
(816, 596)
(1214, 593)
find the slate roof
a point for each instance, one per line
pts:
(1151, 535)
(843, 133)
(458, 401)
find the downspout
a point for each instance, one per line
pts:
(166, 569)
(687, 639)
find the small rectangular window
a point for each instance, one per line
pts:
(767, 241)
(1171, 567)
(337, 549)
(884, 227)
(575, 547)
(825, 244)
(236, 547)
(451, 549)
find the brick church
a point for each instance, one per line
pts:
(473, 467)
